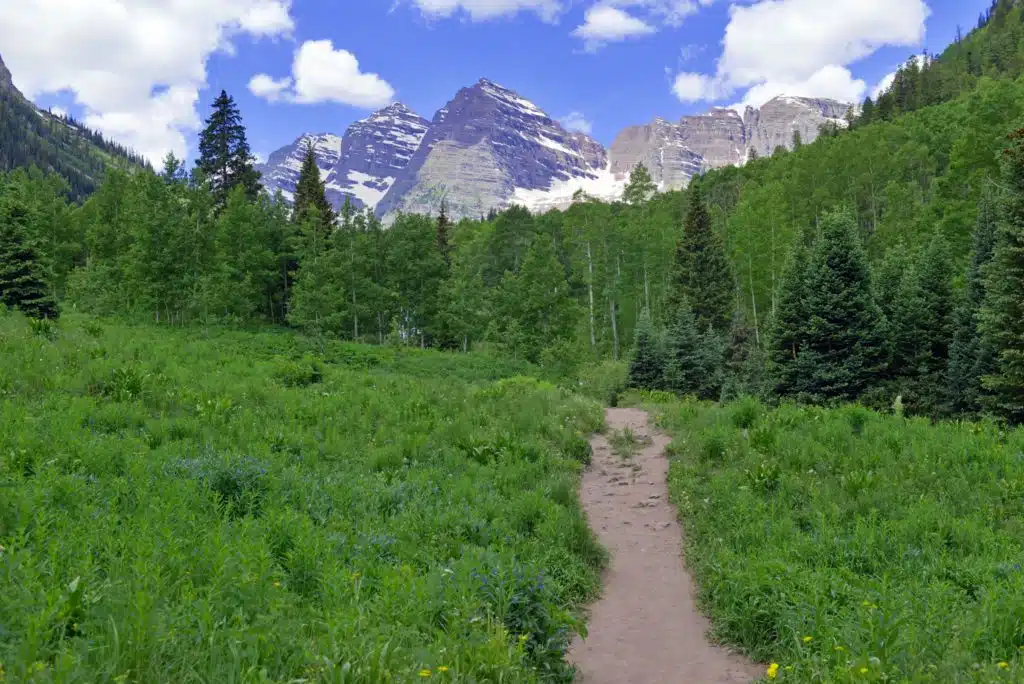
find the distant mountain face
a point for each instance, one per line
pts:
(490, 147)
(30, 136)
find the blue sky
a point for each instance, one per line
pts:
(146, 78)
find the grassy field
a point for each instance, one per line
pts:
(216, 506)
(848, 546)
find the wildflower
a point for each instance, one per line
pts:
(442, 668)
(277, 584)
(523, 638)
(424, 673)
(840, 648)
(773, 671)
(808, 639)
(1003, 665)
(863, 670)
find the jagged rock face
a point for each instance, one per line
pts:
(361, 166)
(483, 147)
(661, 147)
(281, 172)
(6, 81)
(773, 124)
(375, 153)
(673, 153)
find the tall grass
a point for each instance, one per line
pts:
(216, 506)
(849, 546)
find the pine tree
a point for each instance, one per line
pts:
(701, 271)
(640, 187)
(310, 194)
(224, 156)
(684, 364)
(798, 140)
(744, 360)
(443, 238)
(647, 366)
(843, 347)
(23, 282)
(968, 359)
(318, 296)
(788, 328)
(1002, 317)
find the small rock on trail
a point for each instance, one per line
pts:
(646, 628)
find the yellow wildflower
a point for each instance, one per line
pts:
(863, 670)
(442, 668)
(277, 584)
(424, 673)
(808, 639)
(1003, 665)
(773, 671)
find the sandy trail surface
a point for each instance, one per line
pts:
(646, 628)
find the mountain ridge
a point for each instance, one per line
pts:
(489, 147)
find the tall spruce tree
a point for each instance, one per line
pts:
(1002, 317)
(23, 282)
(225, 159)
(969, 360)
(647, 366)
(310, 194)
(701, 273)
(443, 239)
(788, 327)
(844, 345)
(684, 363)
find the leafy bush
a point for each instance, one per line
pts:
(302, 373)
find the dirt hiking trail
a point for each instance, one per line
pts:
(646, 628)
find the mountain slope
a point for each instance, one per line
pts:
(29, 136)
(482, 147)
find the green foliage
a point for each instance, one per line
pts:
(170, 495)
(684, 364)
(641, 186)
(1001, 321)
(225, 160)
(969, 360)
(310, 195)
(849, 546)
(701, 272)
(647, 367)
(22, 272)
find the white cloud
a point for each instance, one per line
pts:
(322, 74)
(831, 81)
(136, 68)
(604, 23)
(266, 87)
(484, 10)
(59, 111)
(693, 87)
(576, 122)
(798, 44)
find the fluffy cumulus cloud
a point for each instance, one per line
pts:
(136, 68)
(320, 73)
(576, 122)
(484, 10)
(609, 21)
(803, 47)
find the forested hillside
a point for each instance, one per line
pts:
(30, 137)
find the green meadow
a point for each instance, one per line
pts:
(224, 506)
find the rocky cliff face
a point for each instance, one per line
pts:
(360, 167)
(775, 122)
(483, 147)
(6, 82)
(490, 147)
(674, 152)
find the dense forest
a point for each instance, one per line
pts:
(872, 264)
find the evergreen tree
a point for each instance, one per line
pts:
(843, 344)
(23, 282)
(798, 140)
(968, 359)
(224, 156)
(1002, 318)
(788, 329)
(701, 271)
(318, 296)
(647, 366)
(443, 238)
(640, 187)
(310, 194)
(684, 363)
(752, 155)
(744, 360)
